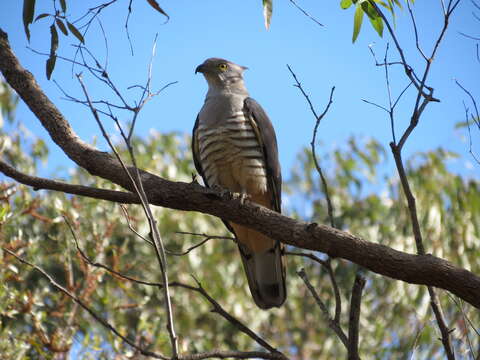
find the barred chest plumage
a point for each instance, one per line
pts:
(231, 155)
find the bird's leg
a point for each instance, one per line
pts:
(244, 196)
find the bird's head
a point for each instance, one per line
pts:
(221, 73)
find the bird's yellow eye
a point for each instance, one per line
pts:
(222, 67)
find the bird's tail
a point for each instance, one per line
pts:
(266, 275)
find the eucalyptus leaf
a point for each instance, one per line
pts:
(28, 13)
(267, 12)
(75, 32)
(357, 21)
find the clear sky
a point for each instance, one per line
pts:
(322, 57)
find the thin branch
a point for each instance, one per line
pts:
(229, 354)
(414, 24)
(421, 102)
(418, 108)
(389, 92)
(376, 105)
(92, 313)
(415, 340)
(126, 26)
(159, 249)
(217, 308)
(318, 118)
(326, 264)
(306, 13)
(476, 118)
(408, 69)
(38, 183)
(470, 143)
(332, 324)
(330, 209)
(130, 226)
(206, 239)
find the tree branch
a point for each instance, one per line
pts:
(38, 183)
(417, 269)
(77, 300)
(354, 318)
(332, 323)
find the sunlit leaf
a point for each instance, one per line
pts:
(28, 12)
(377, 24)
(345, 4)
(357, 22)
(267, 12)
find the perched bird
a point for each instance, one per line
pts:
(234, 147)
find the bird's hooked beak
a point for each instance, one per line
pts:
(200, 68)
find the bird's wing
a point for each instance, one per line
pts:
(196, 152)
(266, 137)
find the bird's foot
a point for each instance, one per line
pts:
(243, 197)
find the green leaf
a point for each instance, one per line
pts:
(28, 11)
(267, 12)
(41, 16)
(374, 17)
(357, 22)
(63, 4)
(345, 4)
(154, 4)
(377, 24)
(62, 26)
(75, 32)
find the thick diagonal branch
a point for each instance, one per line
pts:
(417, 269)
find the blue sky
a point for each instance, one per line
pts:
(322, 57)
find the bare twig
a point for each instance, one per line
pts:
(306, 13)
(326, 264)
(318, 118)
(159, 249)
(217, 308)
(422, 100)
(206, 238)
(330, 210)
(470, 143)
(332, 324)
(130, 225)
(408, 69)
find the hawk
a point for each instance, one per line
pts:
(234, 146)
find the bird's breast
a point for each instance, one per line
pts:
(231, 155)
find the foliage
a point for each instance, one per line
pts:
(371, 204)
(60, 20)
(44, 323)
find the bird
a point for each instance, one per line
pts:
(234, 147)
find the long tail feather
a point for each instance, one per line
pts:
(266, 276)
